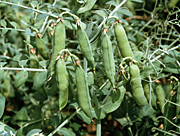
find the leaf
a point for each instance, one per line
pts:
(114, 100)
(13, 31)
(101, 13)
(42, 16)
(34, 132)
(20, 78)
(43, 64)
(172, 68)
(112, 3)
(88, 6)
(39, 79)
(147, 71)
(55, 120)
(146, 110)
(3, 63)
(3, 23)
(83, 117)
(74, 105)
(168, 59)
(70, 25)
(2, 105)
(4, 31)
(1, 74)
(125, 12)
(22, 63)
(25, 24)
(21, 116)
(66, 132)
(140, 1)
(17, 57)
(14, 24)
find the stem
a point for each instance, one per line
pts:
(29, 8)
(117, 7)
(98, 128)
(44, 23)
(165, 132)
(14, 29)
(107, 96)
(65, 122)
(25, 69)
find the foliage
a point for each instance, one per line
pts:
(31, 88)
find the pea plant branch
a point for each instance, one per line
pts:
(25, 69)
(39, 11)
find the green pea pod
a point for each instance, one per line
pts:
(88, 6)
(160, 96)
(136, 86)
(83, 91)
(85, 46)
(58, 44)
(34, 63)
(122, 41)
(20, 78)
(1, 74)
(108, 58)
(146, 89)
(62, 80)
(41, 47)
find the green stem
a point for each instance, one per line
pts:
(29, 8)
(65, 122)
(165, 132)
(25, 69)
(46, 19)
(117, 7)
(14, 29)
(98, 127)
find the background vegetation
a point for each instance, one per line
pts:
(152, 28)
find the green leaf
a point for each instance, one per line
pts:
(43, 64)
(114, 100)
(14, 24)
(3, 23)
(42, 16)
(1, 74)
(20, 78)
(34, 132)
(87, 6)
(101, 13)
(4, 31)
(74, 105)
(13, 31)
(55, 120)
(21, 116)
(22, 63)
(39, 79)
(66, 132)
(3, 63)
(140, 1)
(147, 71)
(146, 110)
(2, 105)
(172, 68)
(70, 25)
(125, 12)
(17, 57)
(83, 117)
(112, 3)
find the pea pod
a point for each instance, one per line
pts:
(146, 88)
(136, 86)
(58, 44)
(41, 47)
(108, 58)
(122, 41)
(85, 46)
(83, 91)
(160, 96)
(62, 80)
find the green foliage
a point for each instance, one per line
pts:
(67, 64)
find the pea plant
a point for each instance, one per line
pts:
(88, 67)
